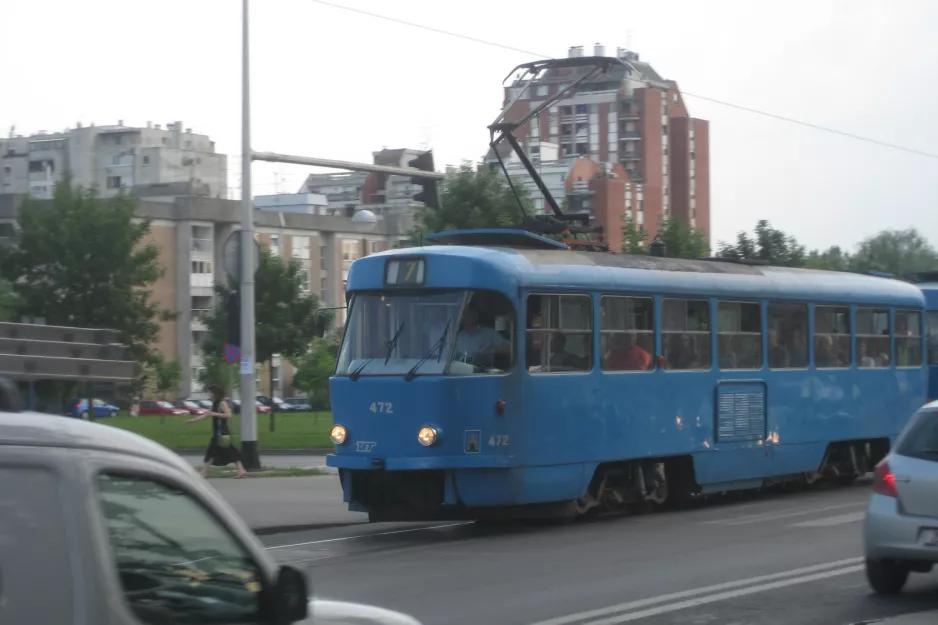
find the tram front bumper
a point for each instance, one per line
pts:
(420, 463)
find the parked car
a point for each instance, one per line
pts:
(189, 406)
(100, 525)
(150, 407)
(102, 409)
(901, 527)
(300, 404)
(236, 407)
(276, 404)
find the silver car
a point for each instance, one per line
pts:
(901, 527)
(98, 525)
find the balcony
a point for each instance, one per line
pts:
(630, 135)
(581, 187)
(202, 245)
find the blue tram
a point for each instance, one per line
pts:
(928, 282)
(497, 374)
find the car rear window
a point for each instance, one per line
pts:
(920, 440)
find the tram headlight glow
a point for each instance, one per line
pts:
(427, 436)
(338, 434)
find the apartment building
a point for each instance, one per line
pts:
(629, 116)
(113, 158)
(191, 231)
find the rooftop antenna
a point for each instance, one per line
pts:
(12, 131)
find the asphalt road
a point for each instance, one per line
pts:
(773, 560)
(277, 461)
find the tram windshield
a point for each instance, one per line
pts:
(427, 333)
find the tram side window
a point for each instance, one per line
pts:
(627, 333)
(908, 338)
(832, 337)
(788, 336)
(872, 337)
(932, 318)
(559, 333)
(685, 333)
(739, 335)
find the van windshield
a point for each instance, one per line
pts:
(430, 331)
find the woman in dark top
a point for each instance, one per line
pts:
(221, 449)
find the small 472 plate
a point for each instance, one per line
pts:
(929, 538)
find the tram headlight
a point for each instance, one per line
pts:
(338, 434)
(427, 436)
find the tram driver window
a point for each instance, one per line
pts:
(627, 333)
(788, 336)
(908, 338)
(739, 335)
(486, 333)
(685, 333)
(559, 333)
(872, 337)
(832, 337)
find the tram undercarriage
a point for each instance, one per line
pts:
(627, 487)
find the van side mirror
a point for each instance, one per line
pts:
(290, 596)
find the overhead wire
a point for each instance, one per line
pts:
(719, 102)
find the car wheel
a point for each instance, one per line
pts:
(84, 415)
(887, 577)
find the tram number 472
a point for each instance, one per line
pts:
(498, 440)
(384, 407)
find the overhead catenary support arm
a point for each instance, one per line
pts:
(272, 157)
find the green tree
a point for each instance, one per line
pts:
(834, 258)
(217, 372)
(287, 317)
(680, 241)
(167, 374)
(8, 302)
(84, 261)
(313, 371)
(633, 237)
(769, 244)
(898, 252)
(473, 198)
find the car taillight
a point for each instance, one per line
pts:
(884, 482)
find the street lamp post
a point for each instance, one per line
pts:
(248, 396)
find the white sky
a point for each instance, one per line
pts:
(336, 84)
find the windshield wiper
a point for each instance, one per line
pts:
(438, 344)
(354, 375)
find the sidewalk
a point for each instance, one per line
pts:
(279, 504)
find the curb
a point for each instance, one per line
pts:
(287, 529)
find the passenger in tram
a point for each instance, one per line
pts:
(681, 353)
(561, 359)
(475, 340)
(779, 357)
(726, 354)
(825, 354)
(863, 357)
(626, 355)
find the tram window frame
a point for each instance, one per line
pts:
(759, 336)
(871, 336)
(838, 338)
(703, 364)
(538, 333)
(912, 340)
(931, 324)
(787, 316)
(645, 334)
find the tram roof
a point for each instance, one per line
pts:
(501, 267)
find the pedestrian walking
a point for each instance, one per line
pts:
(221, 449)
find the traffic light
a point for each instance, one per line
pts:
(233, 313)
(430, 196)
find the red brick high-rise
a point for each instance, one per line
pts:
(631, 117)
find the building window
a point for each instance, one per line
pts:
(542, 91)
(113, 182)
(146, 160)
(627, 333)
(739, 335)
